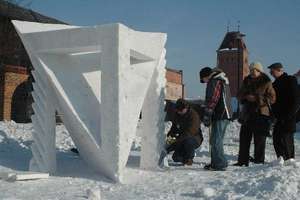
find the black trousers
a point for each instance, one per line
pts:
(283, 143)
(246, 133)
(184, 150)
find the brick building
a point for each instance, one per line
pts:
(14, 96)
(174, 85)
(15, 65)
(232, 57)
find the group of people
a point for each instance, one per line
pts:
(263, 105)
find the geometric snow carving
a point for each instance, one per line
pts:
(99, 78)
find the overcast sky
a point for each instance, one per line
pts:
(196, 28)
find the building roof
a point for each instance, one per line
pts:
(174, 70)
(232, 40)
(16, 12)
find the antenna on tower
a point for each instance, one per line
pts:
(238, 25)
(228, 25)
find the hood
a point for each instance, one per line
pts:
(219, 74)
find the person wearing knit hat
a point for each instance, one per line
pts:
(185, 134)
(217, 113)
(257, 66)
(181, 104)
(205, 73)
(255, 95)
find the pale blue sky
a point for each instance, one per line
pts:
(195, 28)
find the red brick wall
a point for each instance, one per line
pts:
(12, 77)
(229, 61)
(173, 76)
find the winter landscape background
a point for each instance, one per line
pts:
(195, 31)
(74, 178)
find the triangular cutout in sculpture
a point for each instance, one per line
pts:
(137, 58)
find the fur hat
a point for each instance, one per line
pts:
(256, 65)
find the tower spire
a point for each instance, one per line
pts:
(238, 25)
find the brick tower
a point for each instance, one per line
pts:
(232, 58)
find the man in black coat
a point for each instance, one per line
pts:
(284, 110)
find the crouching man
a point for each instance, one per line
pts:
(187, 133)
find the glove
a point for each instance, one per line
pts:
(170, 140)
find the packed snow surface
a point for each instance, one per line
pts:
(75, 180)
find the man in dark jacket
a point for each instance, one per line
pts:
(217, 113)
(186, 129)
(284, 111)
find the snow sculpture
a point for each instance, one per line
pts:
(99, 78)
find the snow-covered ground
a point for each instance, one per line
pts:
(74, 178)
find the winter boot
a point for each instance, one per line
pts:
(188, 162)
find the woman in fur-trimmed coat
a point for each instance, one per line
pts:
(256, 95)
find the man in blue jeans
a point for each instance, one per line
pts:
(217, 113)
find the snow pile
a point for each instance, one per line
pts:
(264, 182)
(75, 180)
(63, 139)
(93, 194)
(209, 192)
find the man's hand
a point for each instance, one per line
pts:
(207, 116)
(206, 121)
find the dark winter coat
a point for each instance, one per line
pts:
(217, 98)
(284, 109)
(298, 115)
(187, 125)
(260, 87)
(298, 111)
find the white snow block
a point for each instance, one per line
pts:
(29, 176)
(6, 175)
(21, 176)
(99, 78)
(152, 121)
